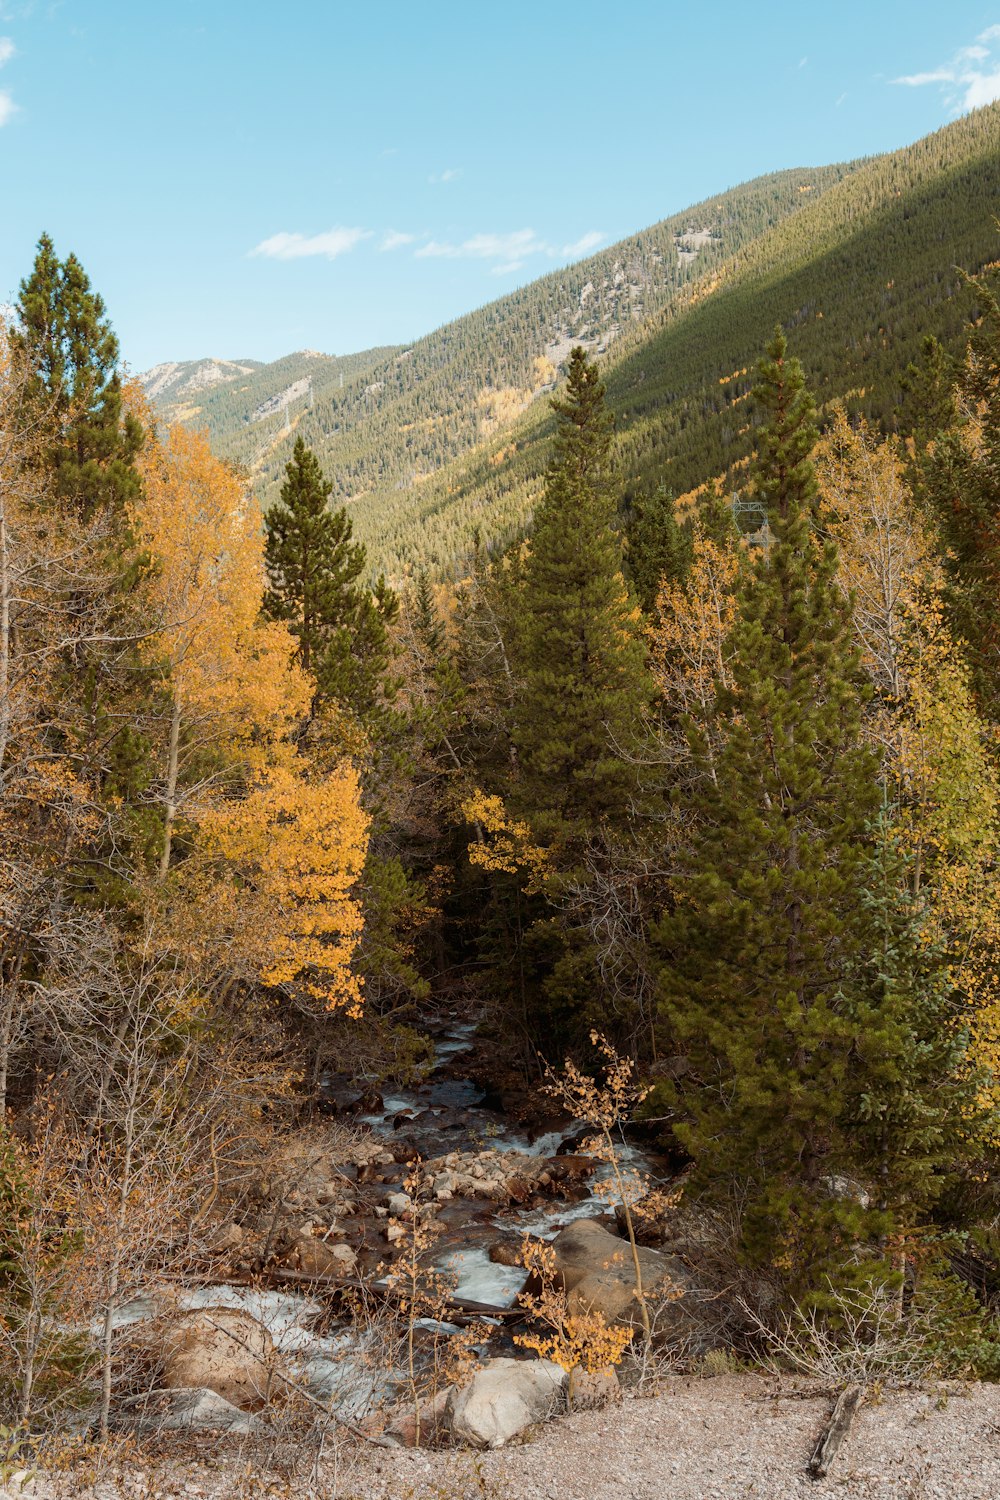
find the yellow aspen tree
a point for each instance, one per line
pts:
(294, 847)
(280, 843)
(202, 531)
(689, 639)
(886, 555)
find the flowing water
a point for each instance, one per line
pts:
(444, 1113)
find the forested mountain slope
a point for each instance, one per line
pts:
(246, 406)
(384, 424)
(857, 277)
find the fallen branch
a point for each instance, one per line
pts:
(836, 1430)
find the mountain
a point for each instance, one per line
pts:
(433, 443)
(247, 406)
(857, 277)
(386, 423)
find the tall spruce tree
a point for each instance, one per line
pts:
(584, 688)
(66, 342)
(957, 476)
(659, 547)
(764, 938)
(316, 573)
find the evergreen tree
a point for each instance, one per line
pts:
(957, 476)
(765, 934)
(917, 1111)
(584, 689)
(659, 547)
(64, 338)
(315, 568)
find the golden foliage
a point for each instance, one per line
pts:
(575, 1340)
(299, 845)
(509, 849)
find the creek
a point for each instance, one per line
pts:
(445, 1112)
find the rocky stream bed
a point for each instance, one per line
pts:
(343, 1214)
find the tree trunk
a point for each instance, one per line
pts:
(171, 801)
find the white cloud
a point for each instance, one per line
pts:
(393, 239)
(7, 107)
(917, 80)
(331, 243)
(964, 81)
(583, 245)
(7, 50)
(448, 175)
(503, 248)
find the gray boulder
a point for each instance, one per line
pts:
(503, 1398)
(196, 1409)
(222, 1349)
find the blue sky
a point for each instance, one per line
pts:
(244, 179)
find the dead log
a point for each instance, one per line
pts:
(836, 1430)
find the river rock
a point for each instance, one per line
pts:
(503, 1398)
(222, 1349)
(319, 1257)
(591, 1390)
(506, 1253)
(595, 1268)
(399, 1204)
(433, 1426)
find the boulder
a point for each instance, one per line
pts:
(590, 1390)
(222, 1349)
(227, 1239)
(503, 1398)
(596, 1270)
(433, 1422)
(318, 1257)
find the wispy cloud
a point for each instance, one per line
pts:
(970, 79)
(7, 50)
(583, 245)
(331, 243)
(448, 175)
(394, 239)
(508, 252)
(505, 249)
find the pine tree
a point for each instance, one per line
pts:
(584, 688)
(957, 476)
(315, 568)
(764, 935)
(917, 1107)
(89, 442)
(659, 547)
(64, 338)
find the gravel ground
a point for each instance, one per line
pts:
(731, 1437)
(701, 1439)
